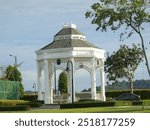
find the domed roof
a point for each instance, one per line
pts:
(68, 37)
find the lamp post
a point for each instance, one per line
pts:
(55, 78)
(34, 86)
(15, 64)
(68, 69)
(58, 62)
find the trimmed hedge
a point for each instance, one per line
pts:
(137, 102)
(20, 102)
(29, 97)
(83, 105)
(143, 93)
(14, 108)
(11, 102)
(31, 104)
(87, 101)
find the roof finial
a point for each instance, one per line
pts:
(69, 25)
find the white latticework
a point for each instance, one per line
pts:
(84, 63)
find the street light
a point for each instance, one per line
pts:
(58, 62)
(34, 86)
(15, 64)
(68, 69)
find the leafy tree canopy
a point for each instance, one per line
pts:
(13, 74)
(123, 63)
(114, 14)
(62, 83)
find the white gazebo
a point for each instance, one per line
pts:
(69, 49)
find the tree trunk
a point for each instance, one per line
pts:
(131, 86)
(143, 47)
(145, 56)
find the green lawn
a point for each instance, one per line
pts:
(120, 109)
(127, 109)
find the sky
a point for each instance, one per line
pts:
(28, 25)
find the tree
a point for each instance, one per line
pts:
(62, 83)
(123, 63)
(13, 74)
(114, 14)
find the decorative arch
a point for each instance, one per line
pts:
(88, 74)
(83, 67)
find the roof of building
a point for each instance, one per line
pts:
(69, 31)
(68, 37)
(68, 43)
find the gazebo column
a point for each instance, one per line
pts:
(47, 83)
(73, 78)
(50, 87)
(39, 71)
(93, 80)
(69, 84)
(71, 87)
(102, 74)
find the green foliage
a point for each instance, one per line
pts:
(29, 97)
(13, 74)
(11, 102)
(62, 83)
(31, 104)
(132, 109)
(88, 104)
(125, 85)
(144, 94)
(14, 108)
(114, 14)
(137, 102)
(87, 100)
(123, 63)
(128, 103)
(20, 102)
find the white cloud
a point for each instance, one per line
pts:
(29, 75)
(29, 78)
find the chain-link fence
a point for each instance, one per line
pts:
(9, 90)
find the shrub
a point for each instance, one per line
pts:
(115, 93)
(137, 102)
(14, 108)
(10, 102)
(29, 97)
(87, 100)
(143, 93)
(31, 104)
(83, 105)
(109, 99)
